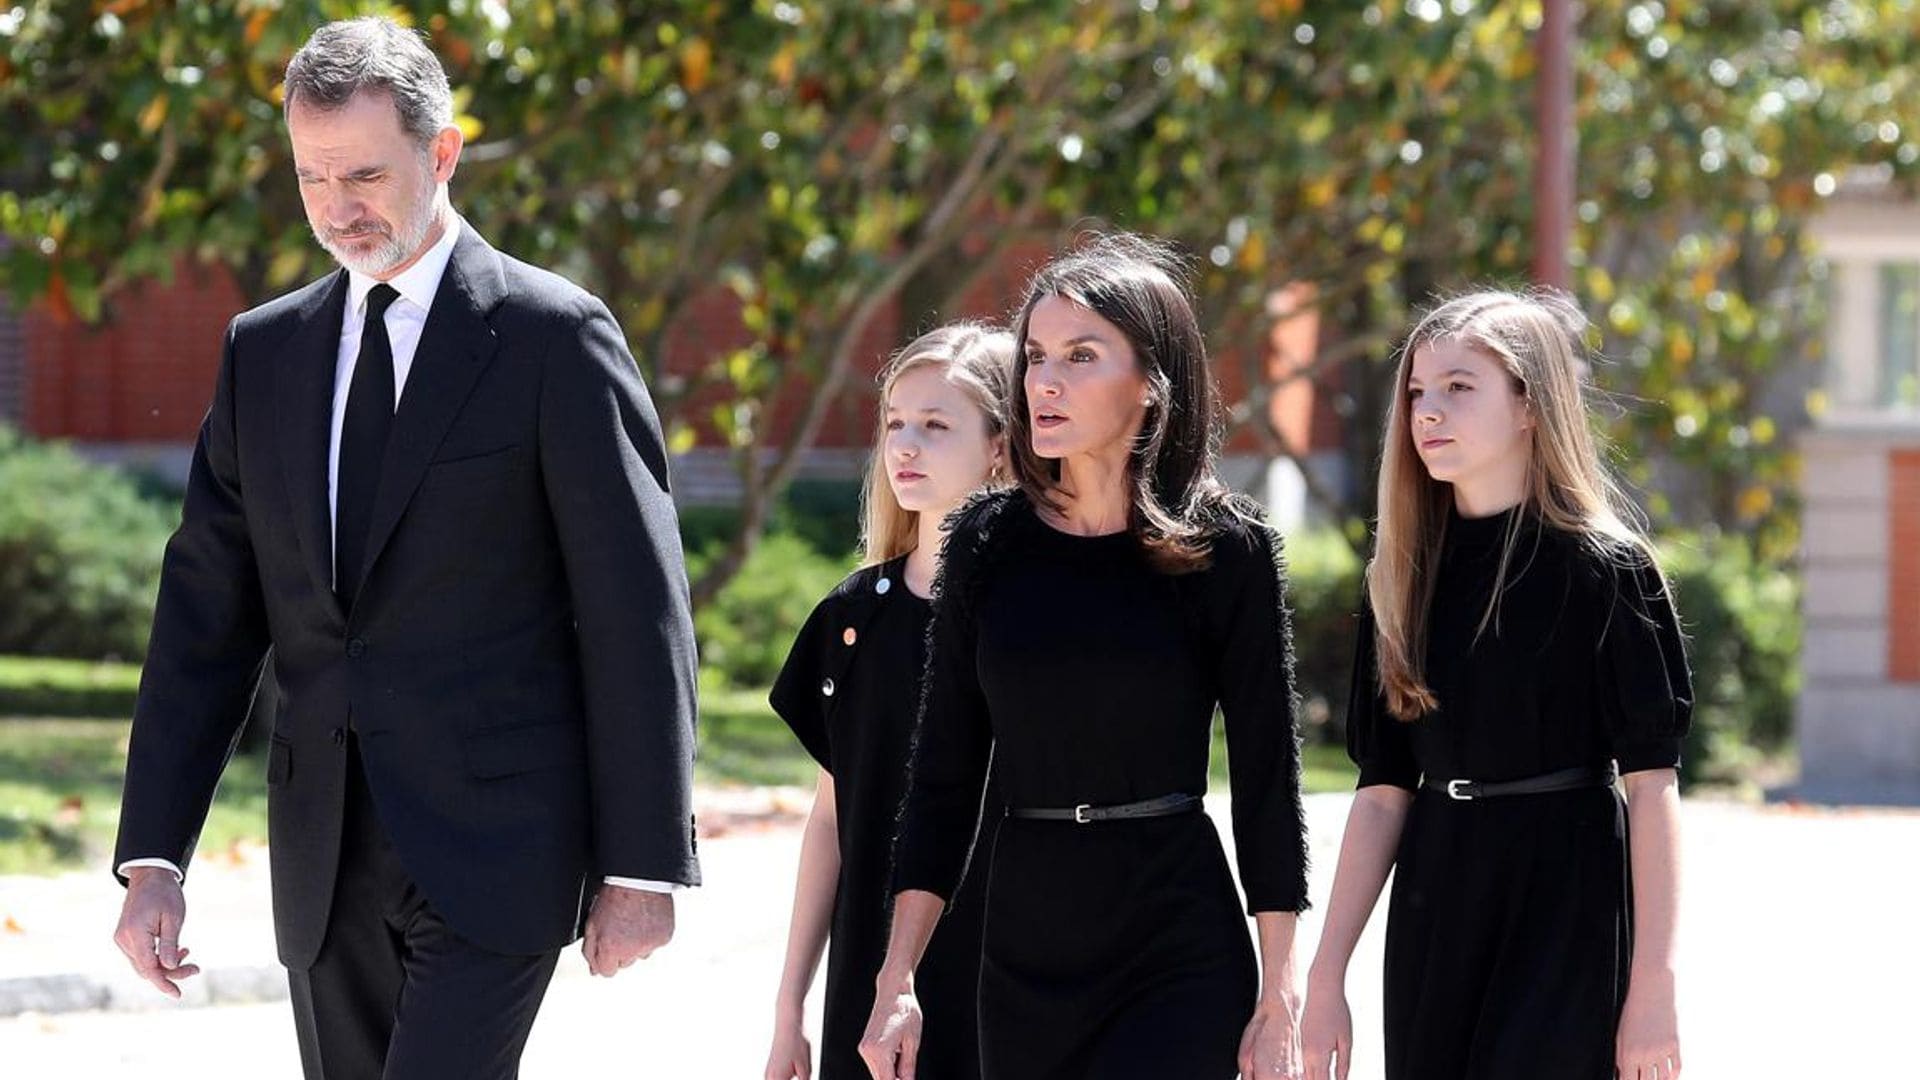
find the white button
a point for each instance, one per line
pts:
(883, 585)
(826, 687)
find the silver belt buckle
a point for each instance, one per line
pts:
(1453, 790)
(1080, 814)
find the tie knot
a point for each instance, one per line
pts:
(380, 298)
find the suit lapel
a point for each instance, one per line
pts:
(304, 404)
(455, 346)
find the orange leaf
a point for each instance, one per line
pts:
(783, 64)
(153, 115)
(257, 25)
(696, 64)
(57, 299)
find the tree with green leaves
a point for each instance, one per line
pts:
(812, 169)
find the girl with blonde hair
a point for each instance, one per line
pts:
(850, 690)
(1518, 655)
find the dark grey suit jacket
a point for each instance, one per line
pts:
(519, 663)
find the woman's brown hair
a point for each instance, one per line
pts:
(1138, 284)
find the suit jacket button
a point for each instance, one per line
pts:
(849, 635)
(826, 687)
(356, 649)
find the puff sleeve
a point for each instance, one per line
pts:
(796, 693)
(1646, 687)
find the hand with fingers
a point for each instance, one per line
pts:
(1270, 1048)
(1326, 1032)
(624, 926)
(1647, 1043)
(792, 1055)
(891, 1045)
(149, 930)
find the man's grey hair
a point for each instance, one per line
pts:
(344, 58)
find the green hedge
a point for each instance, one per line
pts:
(45, 686)
(745, 632)
(1741, 619)
(1323, 582)
(80, 548)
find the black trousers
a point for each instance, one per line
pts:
(397, 994)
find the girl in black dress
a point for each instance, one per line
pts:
(1518, 652)
(850, 689)
(1086, 625)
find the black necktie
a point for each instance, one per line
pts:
(363, 442)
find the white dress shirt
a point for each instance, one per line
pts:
(406, 317)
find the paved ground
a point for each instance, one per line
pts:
(1800, 940)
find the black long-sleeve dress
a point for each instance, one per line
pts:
(1112, 949)
(1509, 927)
(850, 690)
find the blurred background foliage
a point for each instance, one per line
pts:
(824, 159)
(822, 162)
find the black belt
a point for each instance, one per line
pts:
(1583, 776)
(1163, 806)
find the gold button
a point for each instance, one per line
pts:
(826, 687)
(849, 636)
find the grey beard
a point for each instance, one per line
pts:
(392, 250)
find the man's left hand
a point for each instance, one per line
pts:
(625, 925)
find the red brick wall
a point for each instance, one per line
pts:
(146, 376)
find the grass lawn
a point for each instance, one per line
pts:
(743, 742)
(48, 686)
(60, 780)
(60, 796)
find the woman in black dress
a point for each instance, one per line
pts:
(1085, 627)
(850, 689)
(1519, 652)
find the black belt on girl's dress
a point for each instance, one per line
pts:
(1582, 776)
(1163, 806)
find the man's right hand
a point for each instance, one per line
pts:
(149, 930)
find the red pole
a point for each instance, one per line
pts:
(1553, 173)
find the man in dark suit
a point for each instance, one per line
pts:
(434, 484)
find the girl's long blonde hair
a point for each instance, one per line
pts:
(979, 360)
(1536, 336)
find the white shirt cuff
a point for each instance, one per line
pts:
(644, 885)
(167, 863)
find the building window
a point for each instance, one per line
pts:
(1899, 335)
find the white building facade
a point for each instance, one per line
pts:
(1859, 708)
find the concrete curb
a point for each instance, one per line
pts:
(50, 994)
